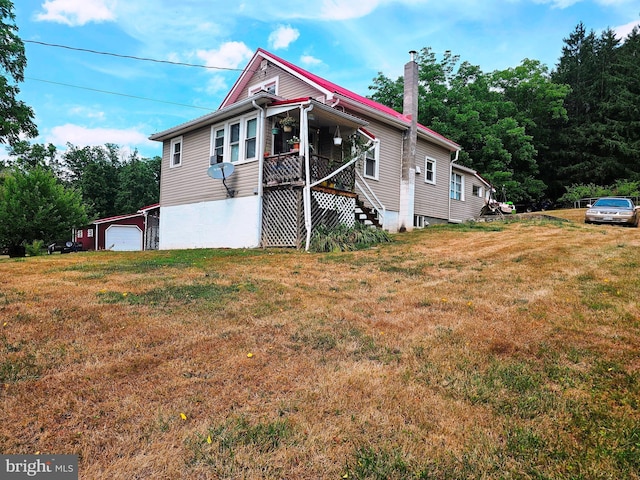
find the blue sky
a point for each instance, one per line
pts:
(345, 41)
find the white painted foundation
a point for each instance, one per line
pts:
(230, 223)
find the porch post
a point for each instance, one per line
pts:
(304, 147)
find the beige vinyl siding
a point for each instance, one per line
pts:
(432, 200)
(288, 85)
(387, 186)
(471, 206)
(189, 183)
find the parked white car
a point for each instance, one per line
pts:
(613, 210)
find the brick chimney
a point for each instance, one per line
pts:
(410, 139)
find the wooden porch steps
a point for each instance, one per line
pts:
(366, 215)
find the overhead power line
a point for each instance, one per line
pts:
(119, 94)
(132, 57)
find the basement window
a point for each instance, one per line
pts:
(420, 221)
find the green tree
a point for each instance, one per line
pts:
(16, 118)
(492, 116)
(94, 172)
(601, 140)
(138, 183)
(27, 156)
(35, 205)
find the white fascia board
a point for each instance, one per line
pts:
(214, 117)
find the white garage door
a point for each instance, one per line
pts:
(123, 237)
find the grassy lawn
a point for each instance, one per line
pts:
(490, 350)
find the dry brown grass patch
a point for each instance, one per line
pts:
(450, 352)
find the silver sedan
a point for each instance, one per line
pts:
(614, 210)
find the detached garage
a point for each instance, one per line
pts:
(123, 238)
(137, 231)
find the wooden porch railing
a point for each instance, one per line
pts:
(288, 168)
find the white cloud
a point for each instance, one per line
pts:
(216, 85)
(558, 3)
(283, 36)
(77, 12)
(623, 30)
(81, 136)
(310, 60)
(229, 55)
(347, 9)
(87, 112)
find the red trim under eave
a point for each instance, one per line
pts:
(367, 132)
(289, 101)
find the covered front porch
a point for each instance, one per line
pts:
(309, 170)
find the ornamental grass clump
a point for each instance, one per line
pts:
(344, 238)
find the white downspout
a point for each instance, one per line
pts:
(455, 159)
(306, 193)
(260, 140)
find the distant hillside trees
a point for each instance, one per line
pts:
(600, 142)
(44, 194)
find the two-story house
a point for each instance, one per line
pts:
(288, 150)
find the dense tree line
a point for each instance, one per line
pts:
(44, 193)
(93, 182)
(532, 131)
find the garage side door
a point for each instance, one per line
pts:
(123, 238)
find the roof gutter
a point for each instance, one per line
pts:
(391, 120)
(213, 117)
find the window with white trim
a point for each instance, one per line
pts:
(90, 233)
(251, 138)
(420, 221)
(236, 141)
(457, 187)
(430, 170)
(175, 152)
(269, 86)
(218, 146)
(79, 234)
(477, 190)
(371, 161)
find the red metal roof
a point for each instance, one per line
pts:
(335, 88)
(149, 207)
(128, 215)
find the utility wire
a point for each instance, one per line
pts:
(131, 56)
(119, 94)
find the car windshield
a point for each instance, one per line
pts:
(613, 202)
